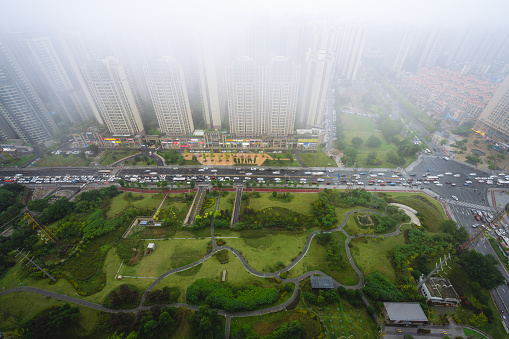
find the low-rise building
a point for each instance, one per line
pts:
(440, 291)
(404, 313)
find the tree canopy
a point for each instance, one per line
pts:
(482, 269)
(373, 142)
(356, 142)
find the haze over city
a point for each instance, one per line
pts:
(254, 169)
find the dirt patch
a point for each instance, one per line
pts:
(220, 159)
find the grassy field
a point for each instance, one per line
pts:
(226, 203)
(133, 162)
(10, 161)
(168, 254)
(353, 229)
(264, 249)
(301, 202)
(364, 127)
(236, 275)
(315, 259)
(430, 209)
(59, 160)
(357, 323)
(317, 160)
(362, 250)
(342, 212)
(23, 306)
(119, 204)
(266, 324)
(109, 157)
(358, 123)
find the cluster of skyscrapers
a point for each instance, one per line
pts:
(266, 80)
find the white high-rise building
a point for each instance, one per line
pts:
(49, 74)
(212, 76)
(167, 88)
(245, 93)
(111, 87)
(262, 99)
(351, 44)
(317, 74)
(22, 114)
(283, 87)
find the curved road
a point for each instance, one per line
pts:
(216, 249)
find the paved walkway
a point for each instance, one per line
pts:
(410, 212)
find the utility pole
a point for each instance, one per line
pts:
(25, 256)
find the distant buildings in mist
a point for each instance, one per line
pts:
(264, 79)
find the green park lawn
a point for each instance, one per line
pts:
(168, 254)
(226, 203)
(301, 202)
(10, 161)
(264, 249)
(236, 275)
(315, 259)
(364, 127)
(142, 162)
(266, 324)
(23, 306)
(109, 157)
(375, 255)
(317, 160)
(342, 320)
(352, 122)
(58, 160)
(430, 209)
(119, 204)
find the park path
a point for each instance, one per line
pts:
(245, 264)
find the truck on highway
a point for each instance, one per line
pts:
(317, 173)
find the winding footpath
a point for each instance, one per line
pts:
(215, 249)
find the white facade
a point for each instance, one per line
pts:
(22, 114)
(351, 44)
(212, 78)
(317, 74)
(167, 88)
(52, 77)
(111, 88)
(283, 85)
(262, 99)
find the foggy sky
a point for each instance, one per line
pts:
(98, 15)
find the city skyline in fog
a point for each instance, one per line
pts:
(156, 14)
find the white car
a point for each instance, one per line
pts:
(236, 178)
(276, 172)
(439, 184)
(474, 174)
(448, 173)
(201, 170)
(331, 171)
(455, 197)
(248, 174)
(468, 182)
(213, 170)
(253, 168)
(307, 173)
(456, 175)
(440, 175)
